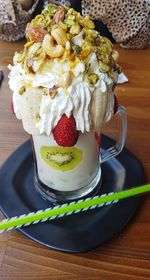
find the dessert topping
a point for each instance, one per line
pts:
(35, 33)
(70, 65)
(57, 26)
(59, 16)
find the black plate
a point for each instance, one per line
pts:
(76, 233)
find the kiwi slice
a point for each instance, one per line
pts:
(61, 158)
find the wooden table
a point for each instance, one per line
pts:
(127, 256)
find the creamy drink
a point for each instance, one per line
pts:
(63, 91)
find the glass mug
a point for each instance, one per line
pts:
(63, 174)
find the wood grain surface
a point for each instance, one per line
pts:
(127, 256)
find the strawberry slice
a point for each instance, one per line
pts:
(65, 133)
(116, 105)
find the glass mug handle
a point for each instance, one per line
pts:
(117, 148)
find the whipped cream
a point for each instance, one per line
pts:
(76, 102)
(72, 100)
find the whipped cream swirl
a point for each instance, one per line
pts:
(77, 103)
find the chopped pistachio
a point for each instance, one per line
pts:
(71, 17)
(37, 17)
(69, 22)
(35, 20)
(103, 67)
(98, 53)
(50, 10)
(106, 58)
(96, 41)
(69, 37)
(86, 48)
(65, 8)
(86, 34)
(103, 54)
(106, 41)
(22, 90)
(86, 22)
(53, 93)
(63, 25)
(70, 11)
(38, 117)
(92, 79)
(94, 33)
(34, 58)
(77, 49)
(86, 30)
(78, 16)
(41, 20)
(75, 29)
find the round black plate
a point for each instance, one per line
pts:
(76, 233)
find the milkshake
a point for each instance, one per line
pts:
(63, 91)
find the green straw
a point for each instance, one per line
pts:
(70, 208)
